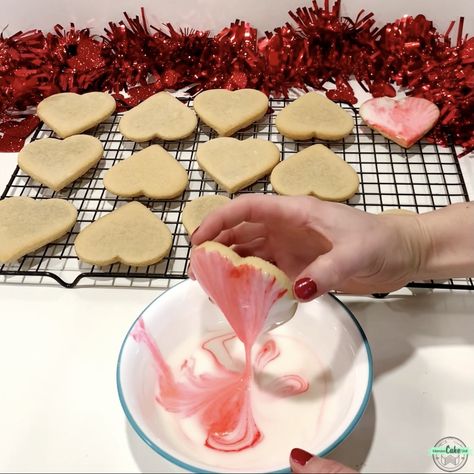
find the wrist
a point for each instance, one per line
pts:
(447, 241)
(424, 247)
(409, 245)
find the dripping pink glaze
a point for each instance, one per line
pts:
(244, 293)
(222, 399)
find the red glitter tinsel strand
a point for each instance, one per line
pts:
(134, 60)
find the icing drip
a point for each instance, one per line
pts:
(222, 399)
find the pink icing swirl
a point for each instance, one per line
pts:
(221, 400)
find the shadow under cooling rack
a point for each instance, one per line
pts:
(421, 179)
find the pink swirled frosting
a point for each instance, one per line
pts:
(221, 399)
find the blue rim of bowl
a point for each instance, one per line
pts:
(191, 468)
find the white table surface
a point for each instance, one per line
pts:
(59, 409)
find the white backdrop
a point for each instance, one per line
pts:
(212, 14)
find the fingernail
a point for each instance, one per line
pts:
(300, 456)
(305, 289)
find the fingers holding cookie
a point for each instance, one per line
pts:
(255, 248)
(255, 208)
(242, 233)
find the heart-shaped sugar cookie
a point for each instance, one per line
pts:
(226, 111)
(403, 121)
(68, 113)
(57, 163)
(27, 224)
(198, 209)
(314, 116)
(151, 172)
(131, 234)
(236, 164)
(160, 116)
(315, 171)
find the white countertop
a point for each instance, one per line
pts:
(60, 410)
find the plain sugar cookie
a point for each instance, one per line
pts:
(160, 116)
(228, 111)
(151, 172)
(131, 234)
(27, 224)
(68, 113)
(314, 116)
(198, 209)
(315, 171)
(235, 164)
(57, 163)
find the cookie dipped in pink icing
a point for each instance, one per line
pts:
(403, 121)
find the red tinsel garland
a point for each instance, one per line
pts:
(140, 60)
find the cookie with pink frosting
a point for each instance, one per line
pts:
(403, 121)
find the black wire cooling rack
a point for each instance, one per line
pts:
(421, 179)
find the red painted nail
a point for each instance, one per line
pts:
(300, 456)
(305, 289)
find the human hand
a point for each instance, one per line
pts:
(302, 461)
(321, 245)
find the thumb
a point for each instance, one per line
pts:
(326, 273)
(303, 462)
